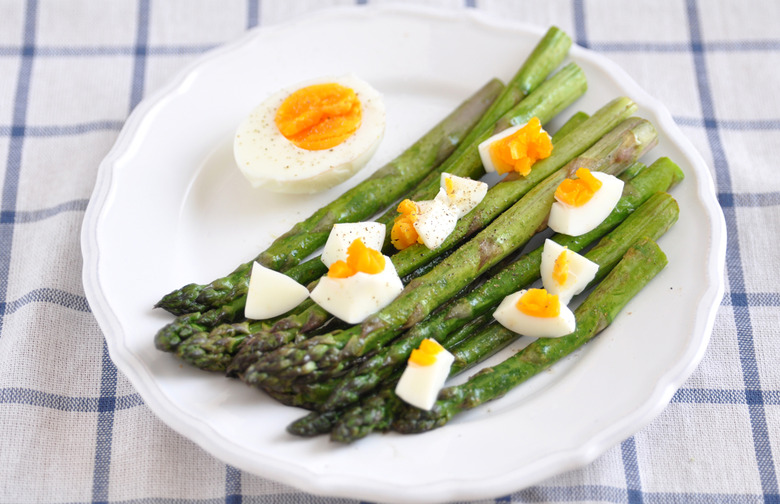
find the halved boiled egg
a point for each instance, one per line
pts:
(312, 136)
(516, 149)
(343, 235)
(271, 293)
(358, 287)
(564, 272)
(424, 375)
(535, 313)
(583, 203)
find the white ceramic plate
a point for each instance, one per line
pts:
(169, 208)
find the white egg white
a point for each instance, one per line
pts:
(513, 319)
(576, 221)
(435, 222)
(581, 271)
(484, 147)
(271, 293)
(420, 385)
(466, 193)
(354, 298)
(269, 160)
(342, 235)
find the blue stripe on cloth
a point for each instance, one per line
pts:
(232, 485)
(101, 51)
(470, 4)
(14, 160)
(105, 429)
(140, 53)
(47, 295)
(743, 125)
(24, 217)
(753, 299)
(65, 130)
(70, 404)
(734, 268)
(631, 469)
(749, 199)
(252, 13)
(580, 32)
(682, 47)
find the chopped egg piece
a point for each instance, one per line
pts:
(516, 148)
(564, 272)
(342, 235)
(535, 313)
(271, 293)
(425, 374)
(311, 136)
(462, 193)
(358, 287)
(429, 222)
(583, 203)
(435, 222)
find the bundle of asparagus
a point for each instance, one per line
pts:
(346, 374)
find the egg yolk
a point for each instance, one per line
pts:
(425, 355)
(560, 271)
(520, 150)
(320, 116)
(539, 303)
(577, 192)
(449, 187)
(359, 259)
(403, 234)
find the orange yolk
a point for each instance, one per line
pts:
(520, 150)
(403, 233)
(319, 117)
(359, 259)
(560, 271)
(539, 303)
(577, 192)
(425, 355)
(449, 187)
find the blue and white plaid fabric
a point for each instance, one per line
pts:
(73, 430)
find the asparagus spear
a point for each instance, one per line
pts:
(373, 194)
(334, 352)
(388, 183)
(652, 219)
(640, 264)
(545, 102)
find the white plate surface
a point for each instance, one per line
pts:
(170, 208)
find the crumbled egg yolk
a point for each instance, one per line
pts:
(539, 303)
(359, 259)
(425, 355)
(577, 192)
(520, 150)
(403, 234)
(560, 271)
(320, 116)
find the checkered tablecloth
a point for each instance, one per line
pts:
(73, 430)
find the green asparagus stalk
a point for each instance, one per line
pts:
(640, 265)
(652, 218)
(334, 352)
(365, 199)
(545, 102)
